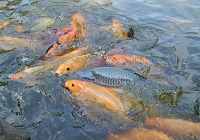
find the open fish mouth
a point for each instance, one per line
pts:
(80, 26)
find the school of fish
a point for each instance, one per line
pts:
(98, 92)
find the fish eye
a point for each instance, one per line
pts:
(67, 68)
(73, 84)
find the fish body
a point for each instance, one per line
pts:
(82, 62)
(51, 65)
(127, 61)
(51, 33)
(113, 76)
(90, 92)
(121, 31)
(139, 134)
(57, 48)
(3, 23)
(176, 127)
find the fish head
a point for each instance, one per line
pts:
(116, 59)
(75, 85)
(79, 23)
(19, 76)
(65, 69)
(116, 23)
(152, 122)
(72, 65)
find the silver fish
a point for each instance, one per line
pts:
(113, 76)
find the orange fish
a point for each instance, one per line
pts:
(177, 127)
(79, 23)
(49, 33)
(139, 134)
(121, 31)
(57, 49)
(118, 50)
(51, 65)
(3, 23)
(88, 92)
(126, 61)
(82, 62)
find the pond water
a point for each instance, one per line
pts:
(165, 31)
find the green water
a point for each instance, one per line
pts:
(165, 31)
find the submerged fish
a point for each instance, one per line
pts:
(51, 33)
(57, 48)
(51, 65)
(139, 134)
(113, 76)
(177, 127)
(82, 62)
(88, 93)
(127, 61)
(12, 42)
(3, 23)
(121, 31)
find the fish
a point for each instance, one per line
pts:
(121, 31)
(175, 127)
(51, 65)
(118, 50)
(9, 132)
(139, 134)
(50, 33)
(3, 23)
(13, 42)
(88, 92)
(79, 23)
(82, 62)
(57, 48)
(127, 61)
(116, 77)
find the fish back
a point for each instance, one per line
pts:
(112, 76)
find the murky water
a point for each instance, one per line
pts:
(165, 31)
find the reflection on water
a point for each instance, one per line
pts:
(165, 31)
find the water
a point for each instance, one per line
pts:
(166, 31)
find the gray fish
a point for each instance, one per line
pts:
(113, 76)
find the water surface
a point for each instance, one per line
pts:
(165, 31)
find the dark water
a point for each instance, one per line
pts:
(166, 31)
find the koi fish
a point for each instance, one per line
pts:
(57, 48)
(88, 92)
(12, 43)
(176, 127)
(126, 61)
(51, 65)
(139, 134)
(118, 50)
(3, 23)
(82, 62)
(79, 23)
(121, 31)
(51, 33)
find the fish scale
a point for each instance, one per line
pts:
(113, 76)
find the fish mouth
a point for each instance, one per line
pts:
(80, 26)
(57, 73)
(67, 88)
(131, 33)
